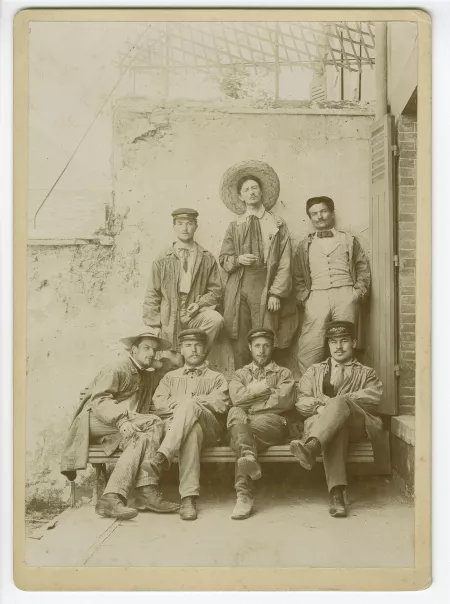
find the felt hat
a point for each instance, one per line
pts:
(339, 328)
(263, 172)
(260, 332)
(148, 333)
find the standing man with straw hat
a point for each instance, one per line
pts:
(256, 254)
(115, 412)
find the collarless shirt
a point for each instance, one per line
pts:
(268, 226)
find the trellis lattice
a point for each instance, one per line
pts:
(219, 46)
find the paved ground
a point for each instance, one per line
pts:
(291, 527)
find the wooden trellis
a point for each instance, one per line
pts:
(207, 47)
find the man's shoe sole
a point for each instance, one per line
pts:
(150, 508)
(242, 516)
(188, 517)
(250, 467)
(125, 516)
(298, 450)
(338, 513)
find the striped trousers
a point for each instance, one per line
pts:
(142, 445)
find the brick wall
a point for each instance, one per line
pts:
(407, 197)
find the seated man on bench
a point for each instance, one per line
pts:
(115, 413)
(262, 393)
(193, 402)
(340, 397)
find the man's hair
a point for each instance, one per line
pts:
(244, 179)
(312, 201)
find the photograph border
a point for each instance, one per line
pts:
(227, 579)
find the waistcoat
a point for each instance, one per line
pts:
(329, 270)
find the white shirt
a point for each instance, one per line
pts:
(328, 244)
(185, 282)
(266, 222)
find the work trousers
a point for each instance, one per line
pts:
(252, 287)
(190, 427)
(322, 306)
(141, 446)
(250, 434)
(207, 319)
(338, 423)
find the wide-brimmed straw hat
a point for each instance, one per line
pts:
(263, 172)
(148, 333)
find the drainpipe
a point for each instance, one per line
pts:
(381, 104)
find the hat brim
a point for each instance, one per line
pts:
(265, 173)
(162, 343)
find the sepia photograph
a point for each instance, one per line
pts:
(220, 294)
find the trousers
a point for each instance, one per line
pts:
(322, 306)
(250, 434)
(190, 427)
(252, 287)
(338, 423)
(207, 319)
(140, 447)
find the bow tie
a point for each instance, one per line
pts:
(193, 371)
(321, 234)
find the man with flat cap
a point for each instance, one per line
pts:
(256, 254)
(184, 287)
(331, 279)
(115, 412)
(192, 401)
(262, 394)
(340, 398)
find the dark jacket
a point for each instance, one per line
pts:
(278, 283)
(359, 270)
(104, 398)
(161, 303)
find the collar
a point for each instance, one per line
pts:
(178, 245)
(335, 364)
(136, 364)
(173, 252)
(333, 230)
(199, 371)
(259, 214)
(271, 367)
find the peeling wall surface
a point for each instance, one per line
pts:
(81, 299)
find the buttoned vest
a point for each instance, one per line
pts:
(329, 269)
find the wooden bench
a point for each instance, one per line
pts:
(359, 453)
(360, 458)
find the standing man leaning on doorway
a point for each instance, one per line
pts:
(256, 254)
(331, 279)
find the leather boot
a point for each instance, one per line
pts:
(249, 466)
(337, 504)
(188, 509)
(157, 464)
(149, 498)
(112, 506)
(243, 508)
(306, 453)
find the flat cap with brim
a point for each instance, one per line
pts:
(339, 328)
(192, 334)
(185, 212)
(261, 332)
(270, 182)
(130, 341)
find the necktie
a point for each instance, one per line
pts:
(253, 243)
(322, 234)
(339, 377)
(184, 254)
